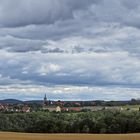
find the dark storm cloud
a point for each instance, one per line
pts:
(26, 12)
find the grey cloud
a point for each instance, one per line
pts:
(38, 12)
(95, 21)
(29, 12)
(131, 4)
(14, 44)
(58, 69)
(71, 42)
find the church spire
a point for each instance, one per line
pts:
(45, 99)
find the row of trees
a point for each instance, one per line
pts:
(103, 103)
(90, 122)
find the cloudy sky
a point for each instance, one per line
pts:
(70, 49)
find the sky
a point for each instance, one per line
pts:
(70, 49)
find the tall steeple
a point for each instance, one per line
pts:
(45, 99)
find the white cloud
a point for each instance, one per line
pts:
(49, 68)
(71, 92)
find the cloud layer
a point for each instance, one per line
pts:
(90, 47)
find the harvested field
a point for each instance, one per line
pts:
(24, 136)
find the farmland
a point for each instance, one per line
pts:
(26, 136)
(131, 107)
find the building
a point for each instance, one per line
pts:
(58, 109)
(49, 106)
(26, 109)
(58, 106)
(45, 100)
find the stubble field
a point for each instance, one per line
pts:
(24, 136)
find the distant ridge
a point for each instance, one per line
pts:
(34, 101)
(15, 101)
(98, 102)
(10, 101)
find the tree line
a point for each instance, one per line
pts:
(83, 122)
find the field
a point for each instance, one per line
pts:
(24, 136)
(131, 107)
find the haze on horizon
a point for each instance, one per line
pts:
(70, 49)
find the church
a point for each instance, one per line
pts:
(51, 106)
(58, 106)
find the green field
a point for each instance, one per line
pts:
(26, 136)
(131, 107)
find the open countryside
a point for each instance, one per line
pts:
(93, 117)
(25, 136)
(69, 69)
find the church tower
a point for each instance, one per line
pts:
(45, 100)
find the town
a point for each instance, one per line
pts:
(67, 106)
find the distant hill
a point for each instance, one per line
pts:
(84, 103)
(34, 101)
(10, 101)
(14, 101)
